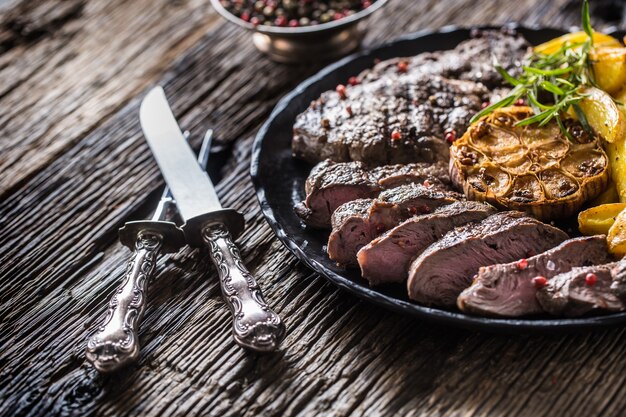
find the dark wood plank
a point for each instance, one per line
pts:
(60, 261)
(67, 65)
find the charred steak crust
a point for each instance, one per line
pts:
(506, 290)
(332, 184)
(387, 258)
(446, 268)
(418, 198)
(441, 90)
(470, 60)
(569, 293)
(390, 176)
(420, 107)
(356, 223)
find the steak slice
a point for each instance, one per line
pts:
(619, 281)
(356, 223)
(418, 198)
(440, 90)
(569, 294)
(446, 268)
(388, 257)
(332, 184)
(507, 290)
(391, 176)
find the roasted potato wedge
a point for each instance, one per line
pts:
(620, 97)
(609, 68)
(616, 237)
(603, 115)
(598, 220)
(553, 45)
(616, 152)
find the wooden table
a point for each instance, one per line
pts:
(74, 167)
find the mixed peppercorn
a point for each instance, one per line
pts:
(293, 13)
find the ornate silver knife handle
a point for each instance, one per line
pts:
(255, 325)
(116, 342)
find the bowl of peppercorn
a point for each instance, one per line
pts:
(294, 31)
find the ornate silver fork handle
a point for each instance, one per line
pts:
(255, 325)
(116, 343)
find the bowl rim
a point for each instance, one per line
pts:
(279, 30)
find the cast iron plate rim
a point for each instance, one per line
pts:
(453, 318)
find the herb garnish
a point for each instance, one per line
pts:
(560, 76)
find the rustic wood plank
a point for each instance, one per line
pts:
(341, 356)
(85, 60)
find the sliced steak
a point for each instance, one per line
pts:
(358, 222)
(332, 184)
(441, 90)
(572, 294)
(446, 268)
(355, 224)
(388, 257)
(507, 290)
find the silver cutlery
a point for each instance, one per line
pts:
(255, 325)
(116, 343)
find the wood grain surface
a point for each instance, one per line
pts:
(74, 167)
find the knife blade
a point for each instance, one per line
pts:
(255, 325)
(116, 344)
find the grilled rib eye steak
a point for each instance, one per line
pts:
(388, 257)
(507, 290)
(470, 60)
(570, 293)
(358, 222)
(444, 269)
(332, 184)
(439, 91)
(419, 107)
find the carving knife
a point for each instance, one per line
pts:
(116, 343)
(255, 325)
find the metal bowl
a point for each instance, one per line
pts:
(314, 43)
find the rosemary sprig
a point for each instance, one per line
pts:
(552, 83)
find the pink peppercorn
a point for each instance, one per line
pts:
(450, 135)
(591, 279)
(341, 90)
(540, 282)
